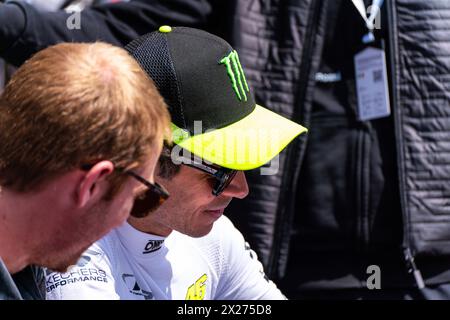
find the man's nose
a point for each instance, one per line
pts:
(238, 188)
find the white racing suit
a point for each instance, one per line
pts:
(129, 264)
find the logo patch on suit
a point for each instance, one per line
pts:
(152, 246)
(134, 288)
(197, 291)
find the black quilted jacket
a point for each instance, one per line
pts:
(280, 45)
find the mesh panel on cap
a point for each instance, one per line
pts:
(152, 53)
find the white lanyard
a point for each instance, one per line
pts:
(374, 10)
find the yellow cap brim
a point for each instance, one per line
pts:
(243, 145)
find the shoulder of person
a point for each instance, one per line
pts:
(223, 224)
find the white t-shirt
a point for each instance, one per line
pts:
(129, 264)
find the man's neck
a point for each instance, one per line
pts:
(13, 233)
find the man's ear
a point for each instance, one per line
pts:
(93, 183)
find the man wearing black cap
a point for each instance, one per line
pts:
(187, 249)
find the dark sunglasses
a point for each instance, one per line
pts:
(148, 201)
(223, 176)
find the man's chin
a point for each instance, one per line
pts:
(66, 265)
(61, 269)
(68, 262)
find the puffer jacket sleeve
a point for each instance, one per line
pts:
(30, 30)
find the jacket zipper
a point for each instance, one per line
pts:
(282, 228)
(407, 252)
(362, 183)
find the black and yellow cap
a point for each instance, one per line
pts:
(214, 114)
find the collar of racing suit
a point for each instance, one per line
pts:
(139, 243)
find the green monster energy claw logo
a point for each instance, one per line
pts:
(236, 74)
